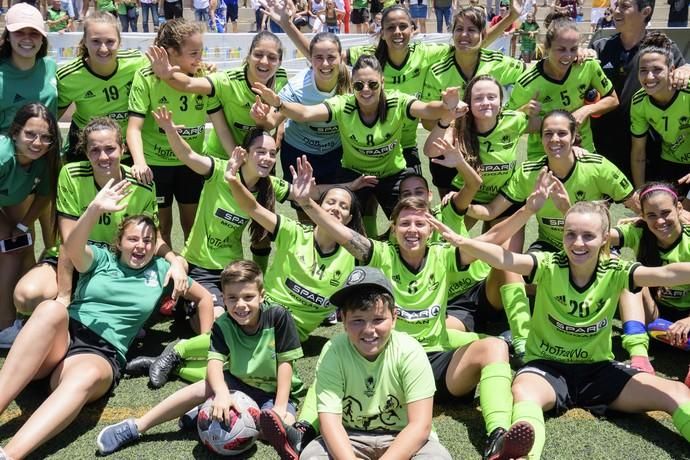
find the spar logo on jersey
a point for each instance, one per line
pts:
(191, 132)
(496, 168)
(228, 218)
(305, 294)
(325, 129)
(558, 351)
(668, 293)
(415, 316)
(243, 127)
(579, 331)
(118, 116)
(379, 151)
(553, 221)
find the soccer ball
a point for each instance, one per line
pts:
(232, 438)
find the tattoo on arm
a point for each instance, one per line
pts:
(358, 246)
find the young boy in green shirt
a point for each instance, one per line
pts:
(374, 385)
(252, 349)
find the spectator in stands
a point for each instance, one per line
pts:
(149, 6)
(442, 8)
(606, 21)
(678, 13)
(599, 9)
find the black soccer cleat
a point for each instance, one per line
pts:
(139, 366)
(287, 440)
(164, 365)
(512, 444)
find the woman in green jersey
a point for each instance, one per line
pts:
(376, 119)
(556, 83)
(27, 74)
(663, 109)
(98, 81)
(29, 164)
(308, 265)
(81, 348)
(421, 274)
(231, 91)
(659, 238)
(462, 63)
(569, 352)
(78, 182)
(581, 177)
(151, 154)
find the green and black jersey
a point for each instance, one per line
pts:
(232, 93)
(567, 94)
(678, 297)
(446, 73)
(572, 324)
(671, 121)
(188, 110)
(407, 78)
(254, 358)
(95, 95)
(592, 177)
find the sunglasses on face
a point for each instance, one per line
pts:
(359, 85)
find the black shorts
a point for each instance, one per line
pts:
(412, 161)
(210, 280)
(326, 167)
(172, 10)
(473, 308)
(232, 12)
(441, 176)
(672, 314)
(178, 181)
(359, 16)
(53, 262)
(541, 246)
(591, 386)
(440, 360)
(387, 191)
(83, 340)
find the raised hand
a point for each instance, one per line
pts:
(447, 154)
(542, 190)
(260, 110)
(445, 231)
(363, 182)
(533, 107)
(109, 198)
(559, 194)
(267, 94)
(235, 162)
(164, 119)
(680, 77)
(302, 180)
(160, 63)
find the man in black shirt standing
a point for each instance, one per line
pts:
(618, 55)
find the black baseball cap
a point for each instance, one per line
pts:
(359, 278)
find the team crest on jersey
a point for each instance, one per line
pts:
(684, 122)
(199, 102)
(582, 89)
(151, 278)
(370, 386)
(580, 195)
(335, 279)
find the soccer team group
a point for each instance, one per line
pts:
(414, 302)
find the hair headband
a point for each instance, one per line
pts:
(659, 188)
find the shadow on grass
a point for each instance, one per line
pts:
(201, 452)
(314, 345)
(465, 412)
(653, 431)
(31, 398)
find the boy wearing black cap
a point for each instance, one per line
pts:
(374, 385)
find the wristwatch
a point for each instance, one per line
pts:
(22, 228)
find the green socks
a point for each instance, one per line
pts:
(681, 420)
(495, 397)
(516, 306)
(195, 348)
(193, 371)
(530, 412)
(308, 413)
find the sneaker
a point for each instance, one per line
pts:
(139, 366)
(164, 365)
(287, 440)
(188, 421)
(114, 437)
(331, 320)
(511, 444)
(8, 335)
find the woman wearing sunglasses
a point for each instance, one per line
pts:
(374, 119)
